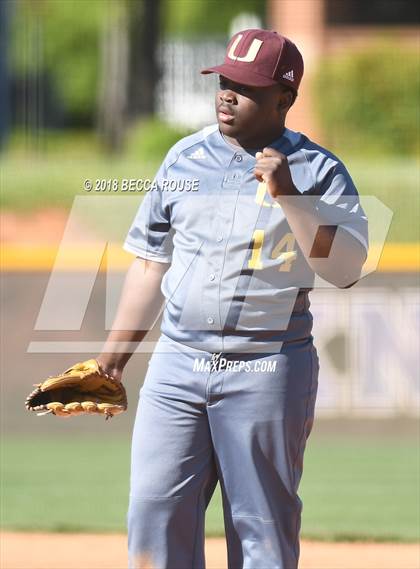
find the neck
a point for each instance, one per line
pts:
(257, 142)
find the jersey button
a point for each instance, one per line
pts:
(219, 238)
(210, 320)
(238, 158)
(212, 277)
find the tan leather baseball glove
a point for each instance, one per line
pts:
(82, 389)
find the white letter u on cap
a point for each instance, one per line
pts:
(250, 55)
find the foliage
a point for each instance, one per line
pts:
(367, 101)
(61, 38)
(152, 138)
(198, 18)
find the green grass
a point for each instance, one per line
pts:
(50, 171)
(29, 184)
(359, 490)
(351, 490)
(64, 485)
(396, 182)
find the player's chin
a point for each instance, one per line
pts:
(229, 129)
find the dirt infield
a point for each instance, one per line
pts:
(90, 551)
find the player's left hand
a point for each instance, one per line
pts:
(273, 169)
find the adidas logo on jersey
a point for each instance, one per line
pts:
(289, 75)
(197, 154)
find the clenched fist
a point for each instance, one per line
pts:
(273, 169)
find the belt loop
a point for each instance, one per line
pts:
(216, 356)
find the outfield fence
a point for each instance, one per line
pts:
(367, 336)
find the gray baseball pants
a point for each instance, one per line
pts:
(246, 428)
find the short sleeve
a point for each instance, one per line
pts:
(150, 235)
(340, 204)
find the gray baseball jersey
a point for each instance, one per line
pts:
(238, 281)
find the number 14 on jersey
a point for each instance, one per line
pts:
(284, 251)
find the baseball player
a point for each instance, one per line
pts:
(241, 217)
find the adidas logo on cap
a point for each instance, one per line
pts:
(289, 75)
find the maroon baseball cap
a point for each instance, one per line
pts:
(261, 58)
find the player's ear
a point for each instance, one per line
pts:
(286, 99)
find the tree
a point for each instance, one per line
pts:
(144, 72)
